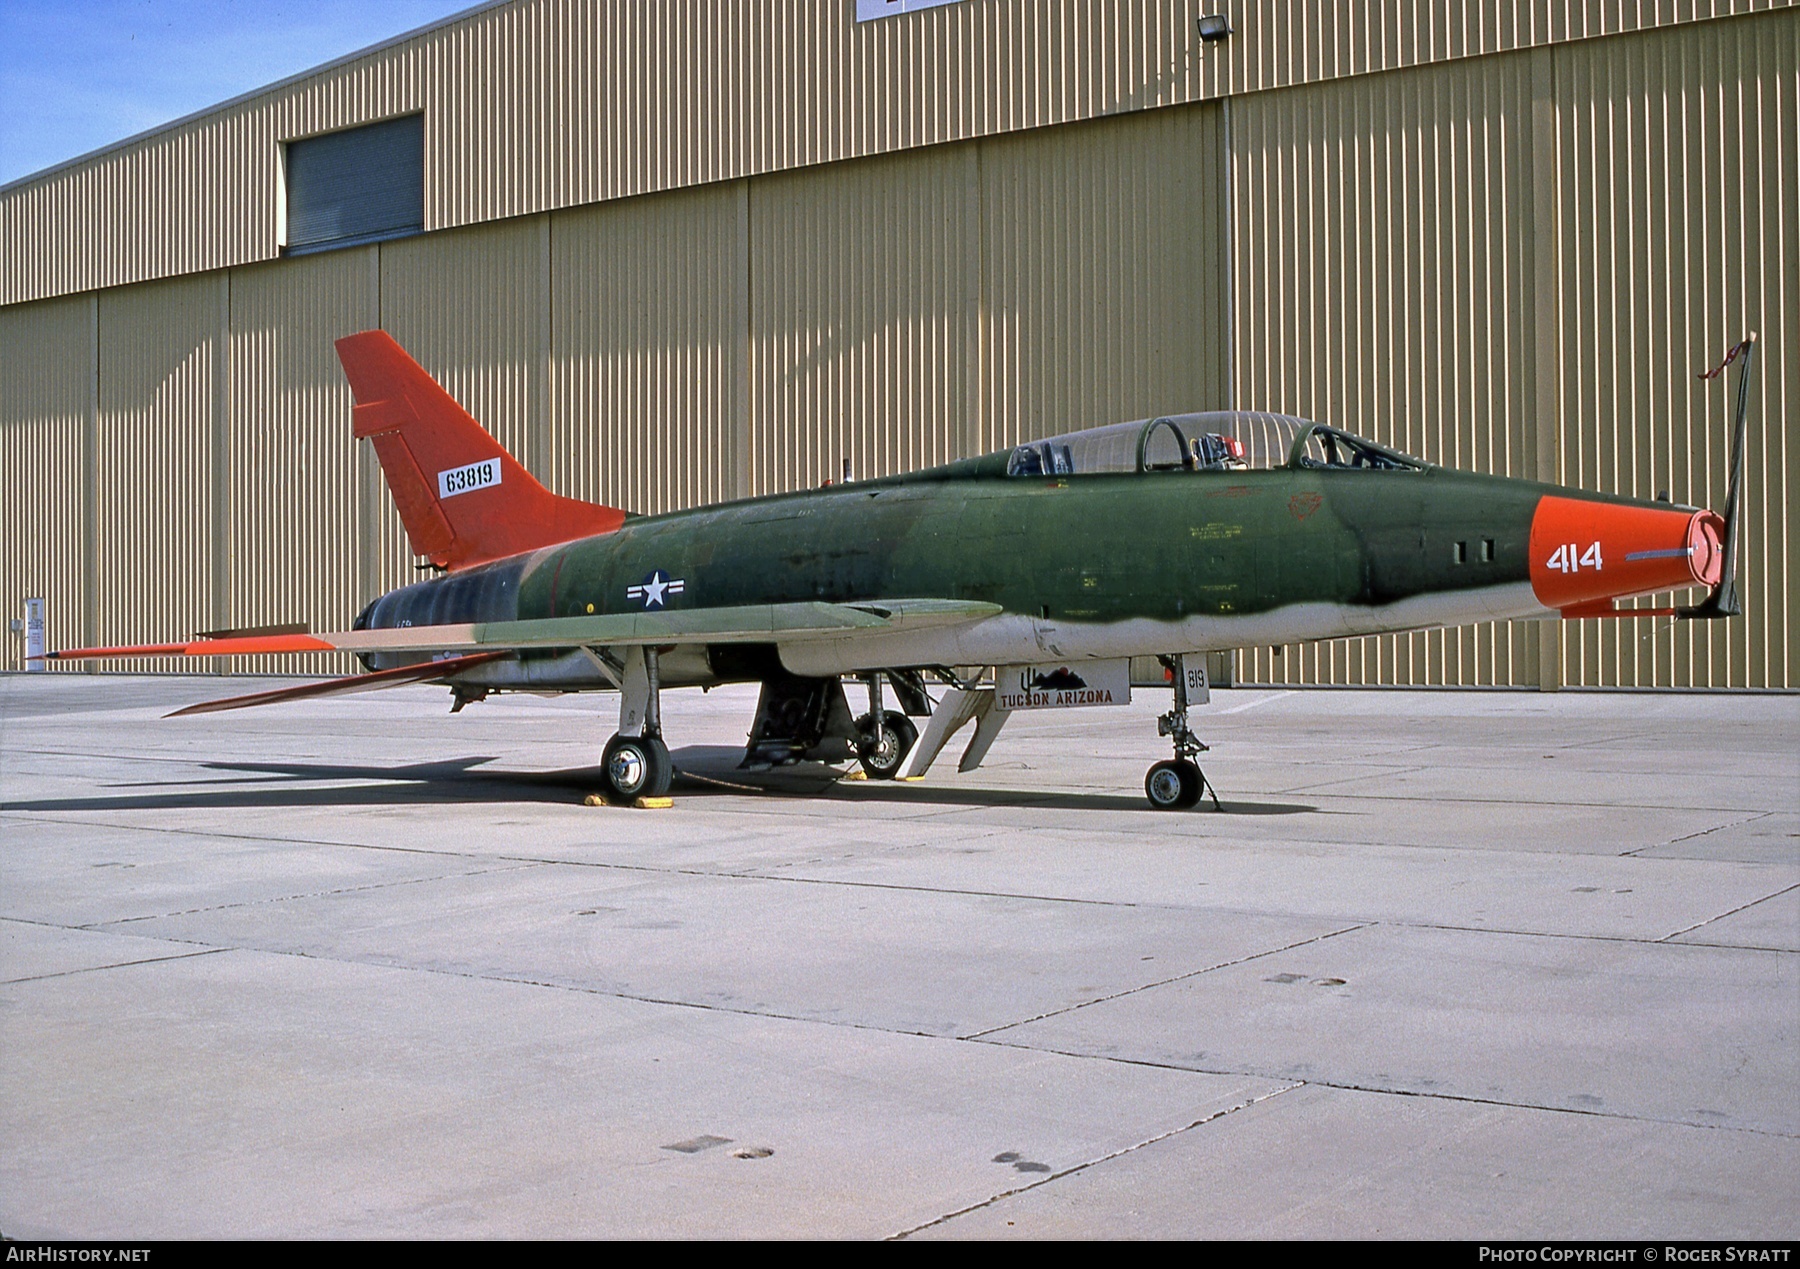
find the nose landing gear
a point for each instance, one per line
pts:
(1176, 784)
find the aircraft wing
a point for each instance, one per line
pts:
(750, 623)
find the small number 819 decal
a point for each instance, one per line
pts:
(1566, 561)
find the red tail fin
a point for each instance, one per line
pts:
(463, 499)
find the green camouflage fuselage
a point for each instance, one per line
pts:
(1100, 565)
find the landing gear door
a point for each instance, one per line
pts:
(1156, 672)
(1199, 691)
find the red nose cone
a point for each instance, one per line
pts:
(1706, 547)
(1583, 552)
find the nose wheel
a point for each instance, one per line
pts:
(1176, 784)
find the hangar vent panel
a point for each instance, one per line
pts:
(356, 186)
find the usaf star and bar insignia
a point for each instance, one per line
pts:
(655, 589)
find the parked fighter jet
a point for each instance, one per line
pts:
(1054, 563)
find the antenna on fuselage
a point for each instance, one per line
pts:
(1723, 602)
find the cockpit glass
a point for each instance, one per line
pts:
(1223, 440)
(1326, 447)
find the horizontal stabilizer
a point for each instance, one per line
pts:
(429, 672)
(235, 646)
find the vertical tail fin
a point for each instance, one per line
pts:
(464, 499)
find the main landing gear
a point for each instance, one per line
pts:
(1175, 784)
(635, 767)
(636, 762)
(883, 736)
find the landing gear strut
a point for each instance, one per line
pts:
(1175, 784)
(636, 762)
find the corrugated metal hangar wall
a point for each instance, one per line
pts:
(683, 252)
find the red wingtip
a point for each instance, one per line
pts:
(464, 499)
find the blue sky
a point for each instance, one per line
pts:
(81, 74)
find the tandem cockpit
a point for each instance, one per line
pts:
(1215, 441)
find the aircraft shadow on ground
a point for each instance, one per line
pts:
(702, 771)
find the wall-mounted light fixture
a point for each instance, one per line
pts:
(1214, 28)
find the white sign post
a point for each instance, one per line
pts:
(34, 633)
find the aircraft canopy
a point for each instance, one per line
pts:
(1219, 440)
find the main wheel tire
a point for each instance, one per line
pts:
(1193, 784)
(636, 767)
(1173, 784)
(882, 750)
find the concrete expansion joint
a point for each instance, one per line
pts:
(1164, 982)
(1382, 768)
(309, 894)
(1452, 800)
(1472, 1100)
(1215, 1116)
(1750, 818)
(1381, 1090)
(1661, 940)
(767, 875)
(638, 998)
(89, 969)
(1742, 907)
(29, 817)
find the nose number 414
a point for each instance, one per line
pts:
(1565, 560)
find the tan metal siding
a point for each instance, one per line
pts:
(1101, 252)
(547, 104)
(1381, 287)
(154, 463)
(860, 279)
(1281, 43)
(1516, 264)
(1680, 167)
(295, 501)
(823, 87)
(648, 349)
(471, 308)
(46, 396)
